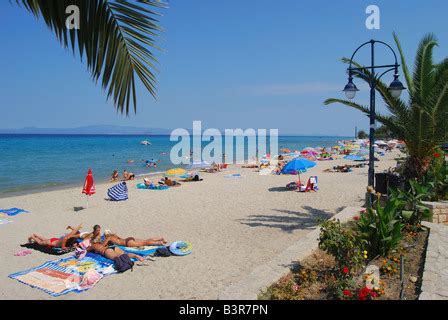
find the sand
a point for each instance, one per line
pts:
(234, 225)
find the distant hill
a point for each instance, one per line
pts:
(100, 129)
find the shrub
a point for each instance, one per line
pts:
(381, 228)
(437, 177)
(344, 245)
(413, 211)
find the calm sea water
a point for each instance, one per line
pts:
(30, 162)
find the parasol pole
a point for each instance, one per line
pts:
(87, 207)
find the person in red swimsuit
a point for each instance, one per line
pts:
(64, 242)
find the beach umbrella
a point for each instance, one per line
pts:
(176, 172)
(89, 186)
(354, 157)
(297, 165)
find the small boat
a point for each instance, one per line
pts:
(145, 143)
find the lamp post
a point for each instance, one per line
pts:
(372, 77)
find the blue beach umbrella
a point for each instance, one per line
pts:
(297, 165)
(353, 157)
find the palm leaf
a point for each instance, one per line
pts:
(404, 65)
(115, 37)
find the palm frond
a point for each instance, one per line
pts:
(424, 67)
(404, 66)
(115, 36)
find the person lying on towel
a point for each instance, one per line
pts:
(113, 239)
(111, 253)
(64, 242)
(94, 236)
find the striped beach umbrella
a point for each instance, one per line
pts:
(118, 192)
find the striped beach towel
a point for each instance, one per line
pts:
(60, 277)
(118, 192)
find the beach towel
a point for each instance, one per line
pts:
(118, 192)
(13, 211)
(152, 187)
(66, 275)
(47, 250)
(141, 251)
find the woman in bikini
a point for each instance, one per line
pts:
(111, 253)
(64, 242)
(113, 239)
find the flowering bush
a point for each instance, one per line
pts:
(367, 294)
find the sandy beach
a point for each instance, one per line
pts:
(233, 224)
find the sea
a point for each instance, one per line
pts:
(30, 163)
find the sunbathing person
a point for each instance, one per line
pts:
(64, 242)
(168, 182)
(148, 183)
(111, 253)
(94, 236)
(113, 239)
(128, 175)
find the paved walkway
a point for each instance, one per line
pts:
(435, 274)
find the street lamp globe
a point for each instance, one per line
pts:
(396, 88)
(350, 89)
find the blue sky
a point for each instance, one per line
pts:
(230, 64)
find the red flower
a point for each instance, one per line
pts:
(347, 293)
(365, 292)
(345, 270)
(437, 155)
(356, 218)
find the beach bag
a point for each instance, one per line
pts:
(163, 252)
(123, 263)
(292, 186)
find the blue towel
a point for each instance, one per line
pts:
(118, 192)
(13, 211)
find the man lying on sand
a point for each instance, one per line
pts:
(132, 242)
(111, 253)
(64, 242)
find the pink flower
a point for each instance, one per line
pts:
(295, 288)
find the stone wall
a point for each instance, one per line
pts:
(439, 211)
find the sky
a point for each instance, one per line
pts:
(230, 64)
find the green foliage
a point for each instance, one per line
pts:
(413, 211)
(420, 121)
(381, 228)
(114, 36)
(342, 244)
(437, 177)
(362, 135)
